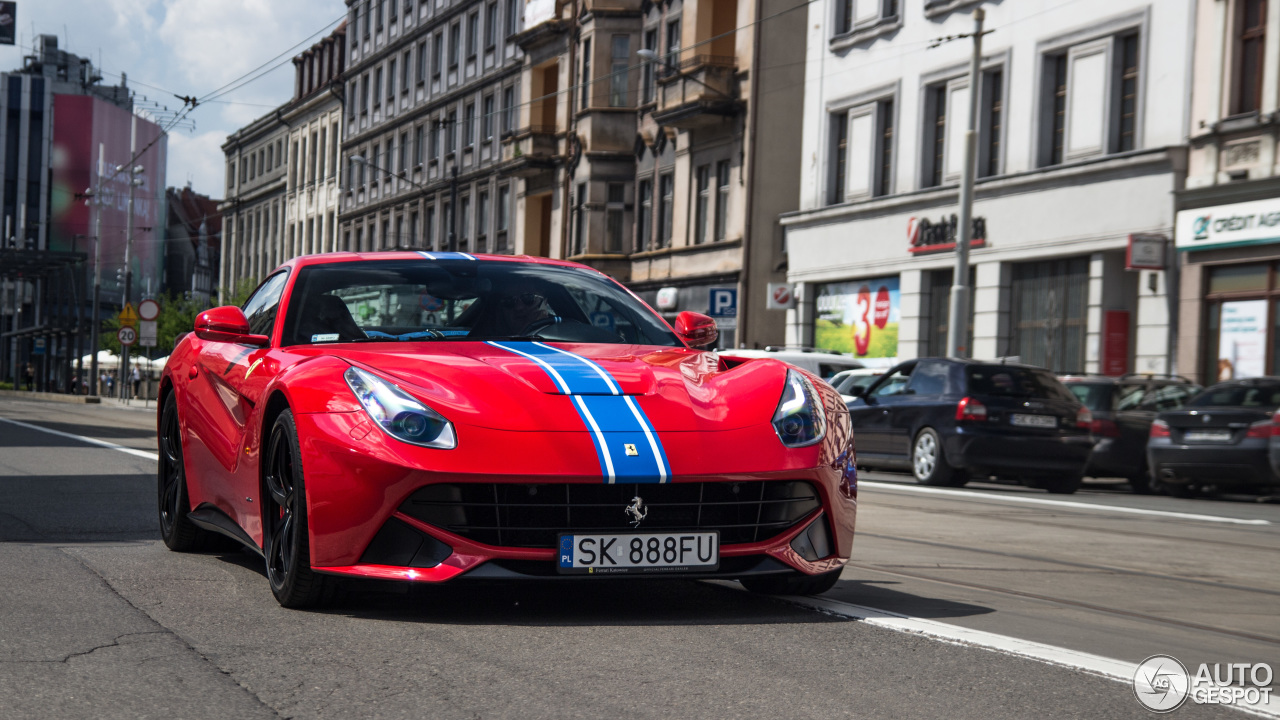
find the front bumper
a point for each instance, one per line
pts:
(358, 481)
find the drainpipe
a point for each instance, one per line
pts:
(744, 281)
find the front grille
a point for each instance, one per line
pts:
(531, 515)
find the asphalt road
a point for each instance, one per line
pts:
(98, 619)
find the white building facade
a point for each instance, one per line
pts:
(1083, 118)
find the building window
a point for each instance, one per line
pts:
(644, 218)
(433, 148)
(508, 109)
(993, 110)
(455, 44)
(702, 204)
(403, 164)
(486, 119)
(413, 229)
(513, 16)
(352, 94)
(615, 212)
(580, 220)
(464, 224)
(504, 219)
(482, 221)
(270, 156)
(646, 77)
(437, 55)
(391, 11)
(451, 138)
(1049, 313)
(469, 125)
(722, 198)
(391, 83)
(491, 25)
(619, 71)
(473, 34)
(1250, 45)
(422, 62)
(884, 173)
(673, 41)
(1059, 127)
(317, 157)
(333, 150)
(1128, 111)
(365, 27)
(937, 135)
(585, 82)
(364, 94)
(231, 174)
(666, 202)
(377, 15)
(429, 228)
(377, 88)
(839, 156)
(404, 71)
(417, 147)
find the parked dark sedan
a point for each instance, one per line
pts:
(1217, 440)
(949, 420)
(1123, 409)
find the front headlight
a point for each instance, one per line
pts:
(799, 419)
(399, 414)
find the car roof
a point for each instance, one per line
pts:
(343, 257)
(1131, 378)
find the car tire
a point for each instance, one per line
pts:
(1179, 490)
(176, 529)
(284, 523)
(792, 584)
(1063, 485)
(928, 462)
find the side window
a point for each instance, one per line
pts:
(1130, 396)
(895, 384)
(260, 308)
(929, 378)
(1169, 397)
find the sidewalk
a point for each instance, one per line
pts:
(141, 405)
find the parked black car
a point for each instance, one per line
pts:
(949, 420)
(1123, 409)
(1218, 440)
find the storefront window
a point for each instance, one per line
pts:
(939, 285)
(1237, 278)
(1242, 321)
(1050, 300)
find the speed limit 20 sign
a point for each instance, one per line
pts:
(127, 336)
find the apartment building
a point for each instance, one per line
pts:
(1083, 116)
(1228, 223)
(253, 211)
(430, 88)
(641, 149)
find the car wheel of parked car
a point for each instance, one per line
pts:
(1178, 490)
(1064, 485)
(177, 531)
(928, 463)
(284, 525)
(791, 584)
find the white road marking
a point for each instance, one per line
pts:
(962, 494)
(92, 441)
(1117, 670)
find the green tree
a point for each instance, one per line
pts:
(177, 316)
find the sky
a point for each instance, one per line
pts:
(185, 47)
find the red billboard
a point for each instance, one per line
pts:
(91, 138)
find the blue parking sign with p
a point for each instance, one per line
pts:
(723, 302)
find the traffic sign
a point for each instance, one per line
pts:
(38, 349)
(128, 318)
(127, 336)
(782, 296)
(147, 332)
(723, 302)
(148, 310)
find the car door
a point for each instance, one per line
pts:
(917, 406)
(872, 414)
(1133, 416)
(230, 381)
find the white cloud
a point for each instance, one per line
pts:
(197, 158)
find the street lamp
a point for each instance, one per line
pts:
(453, 196)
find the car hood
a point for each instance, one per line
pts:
(524, 386)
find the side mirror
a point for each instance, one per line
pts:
(227, 324)
(696, 329)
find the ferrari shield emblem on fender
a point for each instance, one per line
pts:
(637, 511)
(631, 449)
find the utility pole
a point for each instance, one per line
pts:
(958, 329)
(96, 322)
(128, 250)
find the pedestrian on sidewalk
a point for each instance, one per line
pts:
(137, 380)
(31, 377)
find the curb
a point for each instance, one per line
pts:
(51, 397)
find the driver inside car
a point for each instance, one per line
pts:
(522, 310)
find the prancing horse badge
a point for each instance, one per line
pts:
(631, 449)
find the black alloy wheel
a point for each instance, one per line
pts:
(284, 522)
(177, 531)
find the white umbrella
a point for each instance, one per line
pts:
(106, 360)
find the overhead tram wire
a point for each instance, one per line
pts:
(278, 60)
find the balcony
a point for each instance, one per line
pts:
(530, 151)
(698, 92)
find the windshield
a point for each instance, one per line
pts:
(1092, 395)
(1016, 382)
(1251, 396)
(448, 300)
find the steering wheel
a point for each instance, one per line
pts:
(533, 327)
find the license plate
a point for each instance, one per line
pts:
(1037, 421)
(1207, 436)
(607, 554)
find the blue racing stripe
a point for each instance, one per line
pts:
(627, 446)
(446, 255)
